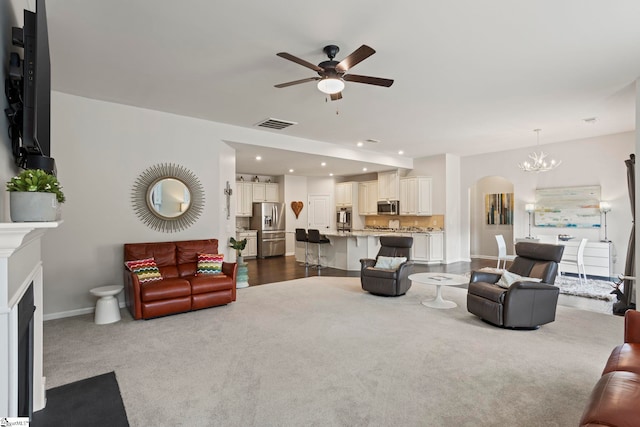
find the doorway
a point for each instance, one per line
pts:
(320, 213)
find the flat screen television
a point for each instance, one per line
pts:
(34, 149)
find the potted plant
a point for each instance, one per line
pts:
(239, 246)
(34, 196)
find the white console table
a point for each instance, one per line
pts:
(597, 258)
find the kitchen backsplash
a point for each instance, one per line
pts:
(433, 221)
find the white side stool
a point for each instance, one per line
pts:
(107, 308)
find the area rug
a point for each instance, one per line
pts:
(569, 285)
(597, 289)
(94, 401)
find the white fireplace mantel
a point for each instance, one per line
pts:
(20, 265)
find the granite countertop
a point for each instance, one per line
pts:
(378, 232)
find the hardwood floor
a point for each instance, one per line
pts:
(282, 268)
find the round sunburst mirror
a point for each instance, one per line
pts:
(167, 197)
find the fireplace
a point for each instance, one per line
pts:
(26, 308)
(22, 385)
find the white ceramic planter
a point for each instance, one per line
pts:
(32, 206)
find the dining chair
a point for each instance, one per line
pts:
(578, 260)
(502, 252)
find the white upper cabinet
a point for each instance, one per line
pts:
(368, 198)
(244, 198)
(344, 194)
(388, 186)
(415, 195)
(265, 192)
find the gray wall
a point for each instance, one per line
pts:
(10, 16)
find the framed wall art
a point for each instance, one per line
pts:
(499, 208)
(568, 207)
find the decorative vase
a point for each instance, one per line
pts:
(31, 206)
(242, 276)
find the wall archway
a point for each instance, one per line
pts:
(482, 240)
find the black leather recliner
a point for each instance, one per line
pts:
(524, 304)
(388, 282)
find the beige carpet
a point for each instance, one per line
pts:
(321, 352)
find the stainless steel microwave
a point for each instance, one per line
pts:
(391, 207)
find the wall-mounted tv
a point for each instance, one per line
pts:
(31, 116)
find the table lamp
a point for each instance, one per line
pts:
(529, 207)
(604, 208)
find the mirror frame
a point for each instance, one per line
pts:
(153, 219)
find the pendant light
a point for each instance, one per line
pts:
(537, 162)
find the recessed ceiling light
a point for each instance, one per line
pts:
(291, 171)
(323, 164)
(364, 169)
(401, 152)
(330, 174)
(360, 144)
(258, 157)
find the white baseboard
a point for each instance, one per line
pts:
(72, 313)
(451, 261)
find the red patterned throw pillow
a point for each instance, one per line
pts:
(146, 269)
(209, 263)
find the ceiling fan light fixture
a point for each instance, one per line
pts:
(330, 85)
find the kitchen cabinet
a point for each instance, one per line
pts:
(420, 248)
(415, 195)
(251, 249)
(436, 247)
(367, 198)
(344, 194)
(388, 186)
(244, 198)
(265, 192)
(427, 247)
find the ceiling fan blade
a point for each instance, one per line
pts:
(297, 60)
(336, 96)
(295, 82)
(359, 55)
(368, 80)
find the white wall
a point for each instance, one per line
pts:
(453, 194)
(11, 15)
(593, 161)
(295, 189)
(483, 243)
(100, 149)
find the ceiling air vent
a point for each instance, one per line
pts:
(272, 123)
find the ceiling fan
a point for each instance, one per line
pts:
(332, 74)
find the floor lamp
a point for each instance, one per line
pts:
(530, 207)
(604, 208)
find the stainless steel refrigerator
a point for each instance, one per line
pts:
(268, 220)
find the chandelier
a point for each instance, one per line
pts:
(537, 161)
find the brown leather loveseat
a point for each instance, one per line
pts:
(179, 289)
(615, 399)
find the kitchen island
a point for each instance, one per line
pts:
(347, 248)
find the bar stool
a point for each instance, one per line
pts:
(315, 237)
(301, 236)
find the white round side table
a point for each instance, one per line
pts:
(107, 308)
